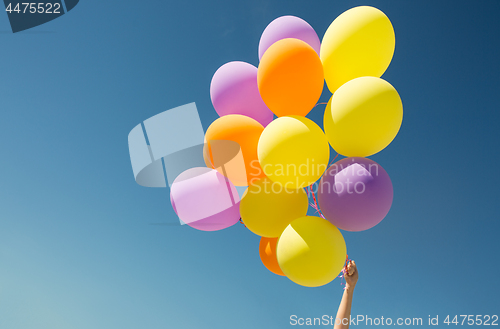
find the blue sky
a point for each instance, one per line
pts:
(77, 248)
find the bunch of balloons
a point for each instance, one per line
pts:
(281, 160)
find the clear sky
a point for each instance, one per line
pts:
(77, 248)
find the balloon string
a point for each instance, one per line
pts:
(333, 160)
(310, 191)
(320, 104)
(315, 204)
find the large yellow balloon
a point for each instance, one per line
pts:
(267, 207)
(363, 117)
(290, 77)
(311, 251)
(293, 151)
(360, 42)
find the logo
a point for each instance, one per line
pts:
(25, 15)
(167, 150)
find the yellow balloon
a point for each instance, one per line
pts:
(311, 251)
(267, 207)
(293, 151)
(363, 117)
(360, 42)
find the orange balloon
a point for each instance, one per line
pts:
(290, 77)
(267, 251)
(231, 148)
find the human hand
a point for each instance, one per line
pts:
(351, 275)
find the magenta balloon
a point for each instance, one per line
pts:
(355, 194)
(288, 27)
(234, 90)
(205, 200)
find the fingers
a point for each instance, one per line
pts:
(351, 268)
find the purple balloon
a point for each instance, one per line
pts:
(355, 194)
(234, 90)
(288, 27)
(205, 200)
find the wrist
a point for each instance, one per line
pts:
(349, 287)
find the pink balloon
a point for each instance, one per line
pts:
(234, 90)
(205, 200)
(288, 27)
